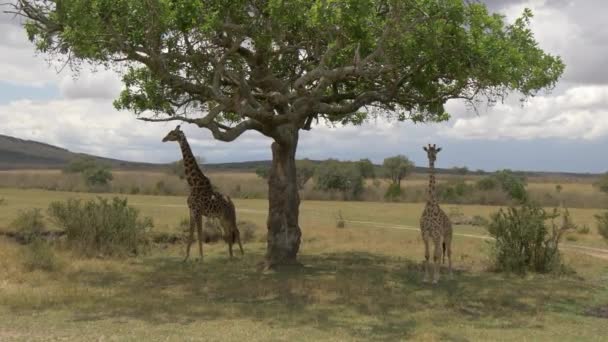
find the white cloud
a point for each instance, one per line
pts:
(91, 84)
(579, 113)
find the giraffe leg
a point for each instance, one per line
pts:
(238, 239)
(199, 231)
(448, 244)
(426, 278)
(436, 260)
(190, 236)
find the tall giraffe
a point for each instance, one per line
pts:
(434, 223)
(203, 200)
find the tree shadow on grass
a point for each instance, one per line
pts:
(362, 294)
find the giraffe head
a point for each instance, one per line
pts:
(174, 135)
(431, 151)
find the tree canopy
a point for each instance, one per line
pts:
(232, 66)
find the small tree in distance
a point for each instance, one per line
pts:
(252, 65)
(397, 168)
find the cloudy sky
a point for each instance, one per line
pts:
(565, 130)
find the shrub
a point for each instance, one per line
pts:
(30, 224)
(262, 172)
(584, 229)
(80, 165)
(525, 241)
(39, 255)
(2, 201)
(343, 177)
(99, 176)
(340, 223)
(393, 192)
(602, 225)
(487, 183)
(212, 232)
(602, 183)
(248, 230)
(101, 226)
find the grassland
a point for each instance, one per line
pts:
(362, 282)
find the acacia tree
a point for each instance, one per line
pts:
(396, 168)
(278, 66)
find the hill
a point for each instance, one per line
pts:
(17, 153)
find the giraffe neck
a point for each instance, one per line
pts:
(432, 196)
(194, 175)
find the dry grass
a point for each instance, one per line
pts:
(578, 193)
(359, 283)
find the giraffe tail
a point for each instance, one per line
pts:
(443, 255)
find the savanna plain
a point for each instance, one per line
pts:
(362, 281)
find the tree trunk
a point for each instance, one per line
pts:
(284, 203)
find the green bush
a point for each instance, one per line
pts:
(39, 255)
(102, 227)
(99, 176)
(584, 229)
(602, 225)
(393, 192)
(525, 241)
(333, 175)
(30, 224)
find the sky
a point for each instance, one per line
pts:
(563, 130)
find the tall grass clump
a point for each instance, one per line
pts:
(527, 239)
(39, 255)
(102, 227)
(29, 224)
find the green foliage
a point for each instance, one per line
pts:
(96, 176)
(262, 172)
(39, 255)
(396, 168)
(333, 175)
(99, 176)
(393, 192)
(454, 190)
(102, 227)
(80, 165)
(427, 51)
(487, 183)
(366, 168)
(602, 225)
(30, 224)
(584, 229)
(511, 183)
(525, 241)
(305, 169)
(602, 183)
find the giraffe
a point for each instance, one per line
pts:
(203, 200)
(435, 224)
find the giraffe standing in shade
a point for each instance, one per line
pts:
(435, 225)
(203, 200)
